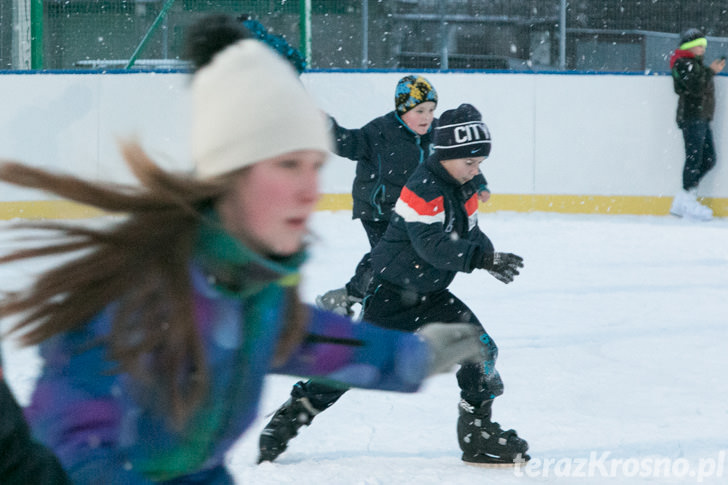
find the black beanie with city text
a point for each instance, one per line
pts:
(461, 133)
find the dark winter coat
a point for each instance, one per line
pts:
(23, 460)
(693, 82)
(433, 233)
(387, 152)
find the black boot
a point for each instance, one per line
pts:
(483, 441)
(307, 400)
(283, 426)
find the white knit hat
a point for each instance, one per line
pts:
(249, 106)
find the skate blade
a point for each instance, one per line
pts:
(509, 464)
(485, 461)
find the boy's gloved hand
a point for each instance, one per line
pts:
(451, 343)
(503, 266)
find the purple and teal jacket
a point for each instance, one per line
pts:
(104, 430)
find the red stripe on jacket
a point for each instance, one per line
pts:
(420, 205)
(471, 206)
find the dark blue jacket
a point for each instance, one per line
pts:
(387, 153)
(23, 460)
(433, 233)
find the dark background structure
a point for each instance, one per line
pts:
(601, 35)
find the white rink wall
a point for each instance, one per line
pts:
(552, 133)
(573, 134)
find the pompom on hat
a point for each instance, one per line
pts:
(411, 91)
(692, 38)
(461, 133)
(248, 105)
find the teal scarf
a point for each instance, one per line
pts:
(236, 269)
(237, 272)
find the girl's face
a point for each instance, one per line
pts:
(462, 169)
(419, 119)
(269, 203)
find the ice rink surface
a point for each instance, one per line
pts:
(613, 349)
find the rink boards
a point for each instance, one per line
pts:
(571, 143)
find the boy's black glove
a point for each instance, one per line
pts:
(503, 266)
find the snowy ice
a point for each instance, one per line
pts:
(612, 349)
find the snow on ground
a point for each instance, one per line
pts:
(612, 348)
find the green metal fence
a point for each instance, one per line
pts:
(615, 35)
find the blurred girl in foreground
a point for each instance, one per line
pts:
(158, 336)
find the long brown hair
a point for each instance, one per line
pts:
(141, 263)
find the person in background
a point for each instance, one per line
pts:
(693, 83)
(433, 235)
(22, 459)
(387, 150)
(157, 330)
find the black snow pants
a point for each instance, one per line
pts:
(390, 307)
(699, 151)
(358, 284)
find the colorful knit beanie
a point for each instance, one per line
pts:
(411, 91)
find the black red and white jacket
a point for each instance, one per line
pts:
(433, 233)
(387, 153)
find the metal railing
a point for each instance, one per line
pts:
(615, 35)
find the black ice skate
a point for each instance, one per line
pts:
(484, 442)
(283, 426)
